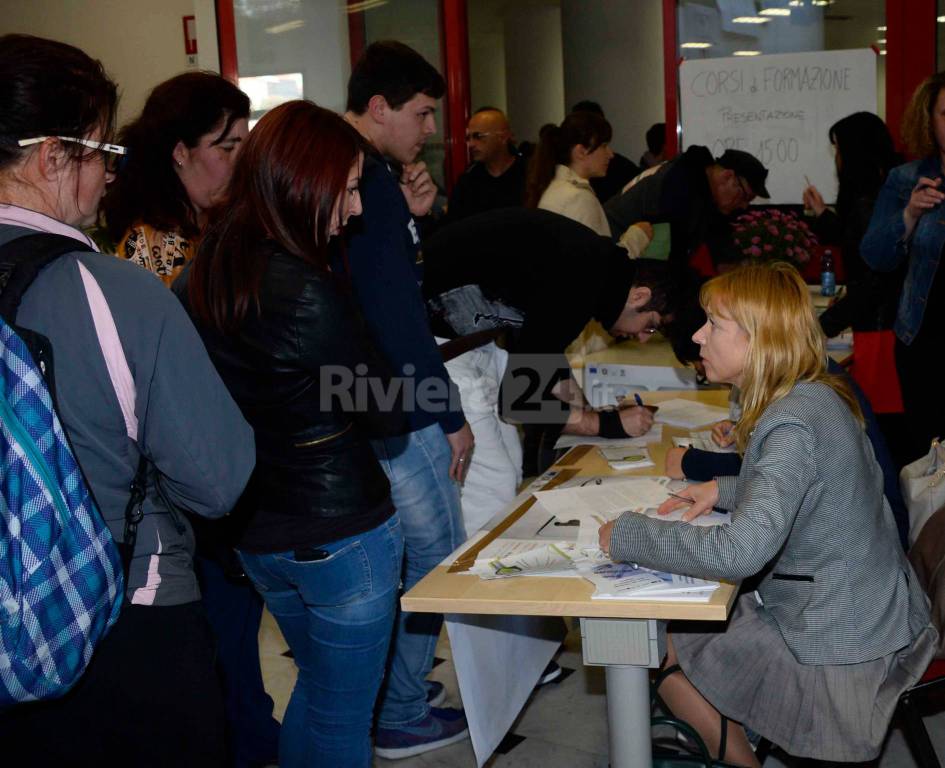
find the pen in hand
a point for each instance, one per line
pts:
(639, 401)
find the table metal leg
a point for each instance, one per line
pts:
(628, 717)
(627, 648)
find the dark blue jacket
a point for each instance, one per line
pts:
(382, 252)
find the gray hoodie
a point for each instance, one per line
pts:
(201, 447)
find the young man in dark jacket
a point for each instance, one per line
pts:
(392, 98)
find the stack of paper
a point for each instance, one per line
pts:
(626, 581)
(516, 557)
(621, 458)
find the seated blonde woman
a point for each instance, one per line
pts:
(814, 661)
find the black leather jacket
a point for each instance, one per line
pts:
(291, 368)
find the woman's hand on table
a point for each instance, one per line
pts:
(674, 457)
(723, 433)
(637, 420)
(604, 536)
(703, 498)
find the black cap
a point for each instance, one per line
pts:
(748, 167)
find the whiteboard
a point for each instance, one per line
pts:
(779, 108)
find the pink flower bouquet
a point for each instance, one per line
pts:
(767, 234)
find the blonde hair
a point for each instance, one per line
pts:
(916, 128)
(771, 303)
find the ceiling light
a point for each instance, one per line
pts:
(696, 45)
(364, 5)
(750, 20)
(775, 12)
(746, 53)
(882, 53)
(941, 19)
(796, 3)
(881, 29)
(278, 29)
(882, 41)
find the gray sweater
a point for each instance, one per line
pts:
(201, 447)
(808, 513)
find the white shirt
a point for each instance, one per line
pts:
(572, 196)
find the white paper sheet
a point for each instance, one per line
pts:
(605, 498)
(505, 558)
(498, 660)
(689, 414)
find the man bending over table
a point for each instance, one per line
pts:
(540, 277)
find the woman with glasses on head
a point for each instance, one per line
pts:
(322, 542)
(181, 150)
(149, 695)
(816, 658)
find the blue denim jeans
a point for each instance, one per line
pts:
(336, 614)
(427, 500)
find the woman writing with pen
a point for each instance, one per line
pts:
(906, 228)
(840, 627)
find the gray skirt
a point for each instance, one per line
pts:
(826, 712)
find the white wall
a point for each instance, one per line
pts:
(613, 54)
(533, 66)
(487, 87)
(140, 42)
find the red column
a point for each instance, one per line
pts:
(455, 42)
(670, 77)
(226, 40)
(910, 42)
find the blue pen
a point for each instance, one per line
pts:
(636, 396)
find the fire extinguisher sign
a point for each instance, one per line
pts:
(190, 40)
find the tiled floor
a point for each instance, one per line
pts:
(564, 725)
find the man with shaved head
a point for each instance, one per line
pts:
(496, 177)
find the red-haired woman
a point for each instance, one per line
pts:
(321, 542)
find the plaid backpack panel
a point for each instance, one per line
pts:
(61, 580)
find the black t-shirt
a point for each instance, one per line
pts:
(478, 191)
(557, 272)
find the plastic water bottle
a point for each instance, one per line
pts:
(828, 280)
